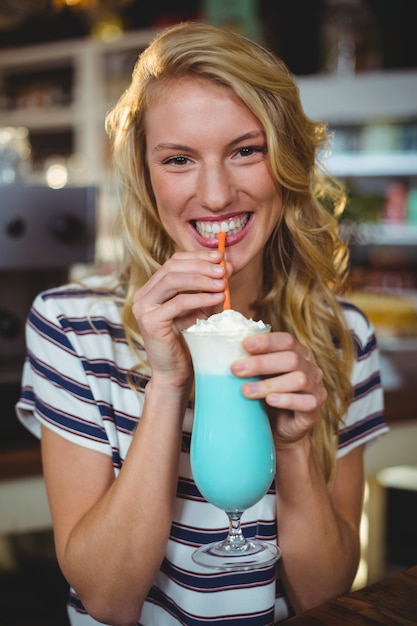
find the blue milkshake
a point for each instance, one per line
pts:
(232, 452)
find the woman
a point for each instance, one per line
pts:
(210, 135)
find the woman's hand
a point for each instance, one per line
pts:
(291, 384)
(318, 525)
(187, 286)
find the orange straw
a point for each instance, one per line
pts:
(221, 239)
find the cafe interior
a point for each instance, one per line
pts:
(63, 64)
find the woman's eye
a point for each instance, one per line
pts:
(250, 150)
(177, 160)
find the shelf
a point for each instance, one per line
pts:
(382, 234)
(362, 98)
(69, 51)
(388, 234)
(373, 164)
(41, 119)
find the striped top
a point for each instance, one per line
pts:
(75, 381)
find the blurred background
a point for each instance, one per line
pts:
(63, 64)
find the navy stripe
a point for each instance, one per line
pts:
(124, 422)
(193, 536)
(348, 305)
(252, 619)
(93, 325)
(77, 292)
(102, 368)
(219, 581)
(75, 602)
(188, 490)
(74, 387)
(27, 395)
(365, 387)
(371, 423)
(362, 351)
(52, 334)
(70, 423)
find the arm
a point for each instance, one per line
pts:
(111, 534)
(318, 527)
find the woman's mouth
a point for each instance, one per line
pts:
(231, 226)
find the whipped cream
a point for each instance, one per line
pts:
(226, 321)
(216, 342)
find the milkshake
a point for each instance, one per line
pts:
(232, 453)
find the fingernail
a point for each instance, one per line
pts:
(250, 342)
(239, 367)
(251, 389)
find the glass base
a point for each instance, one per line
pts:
(251, 555)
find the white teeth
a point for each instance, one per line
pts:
(210, 229)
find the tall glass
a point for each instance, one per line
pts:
(232, 451)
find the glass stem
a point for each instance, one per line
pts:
(235, 537)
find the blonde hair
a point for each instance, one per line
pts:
(304, 260)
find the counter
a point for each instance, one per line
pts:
(389, 602)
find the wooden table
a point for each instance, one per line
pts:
(389, 602)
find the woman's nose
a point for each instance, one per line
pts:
(215, 187)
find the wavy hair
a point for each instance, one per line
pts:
(305, 262)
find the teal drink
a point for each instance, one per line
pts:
(232, 452)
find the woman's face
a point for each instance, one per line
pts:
(209, 170)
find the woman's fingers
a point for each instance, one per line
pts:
(180, 274)
(277, 354)
(198, 275)
(187, 286)
(288, 378)
(182, 308)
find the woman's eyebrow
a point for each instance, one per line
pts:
(170, 146)
(255, 134)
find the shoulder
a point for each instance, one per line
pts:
(355, 318)
(90, 308)
(361, 329)
(78, 295)
(364, 420)
(80, 299)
